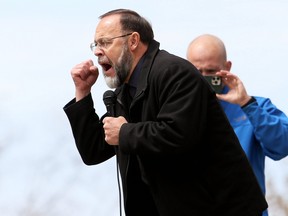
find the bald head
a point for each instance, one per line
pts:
(208, 54)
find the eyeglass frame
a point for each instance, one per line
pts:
(95, 44)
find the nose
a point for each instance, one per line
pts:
(98, 51)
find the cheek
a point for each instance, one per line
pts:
(113, 54)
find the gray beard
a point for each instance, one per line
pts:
(112, 82)
(122, 69)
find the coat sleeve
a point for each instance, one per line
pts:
(270, 127)
(88, 131)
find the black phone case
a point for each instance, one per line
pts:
(215, 82)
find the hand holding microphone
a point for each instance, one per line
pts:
(112, 124)
(84, 76)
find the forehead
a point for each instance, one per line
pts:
(207, 62)
(206, 55)
(108, 26)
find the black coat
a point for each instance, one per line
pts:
(178, 153)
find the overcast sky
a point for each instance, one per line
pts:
(41, 172)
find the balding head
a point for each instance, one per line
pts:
(207, 52)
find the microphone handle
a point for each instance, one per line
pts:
(110, 110)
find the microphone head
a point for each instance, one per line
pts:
(109, 97)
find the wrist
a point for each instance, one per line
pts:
(80, 95)
(251, 100)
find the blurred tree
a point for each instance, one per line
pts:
(278, 203)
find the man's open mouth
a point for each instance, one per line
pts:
(106, 67)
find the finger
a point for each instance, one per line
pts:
(79, 67)
(94, 70)
(222, 73)
(90, 62)
(107, 120)
(85, 69)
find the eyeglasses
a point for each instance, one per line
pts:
(103, 43)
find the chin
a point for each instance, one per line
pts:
(112, 82)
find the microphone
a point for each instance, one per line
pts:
(109, 98)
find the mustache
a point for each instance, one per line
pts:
(104, 60)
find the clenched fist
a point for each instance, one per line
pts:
(84, 76)
(112, 128)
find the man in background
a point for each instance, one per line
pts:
(260, 126)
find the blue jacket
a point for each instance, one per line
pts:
(262, 130)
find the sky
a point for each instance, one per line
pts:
(41, 172)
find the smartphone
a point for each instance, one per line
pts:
(215, 82)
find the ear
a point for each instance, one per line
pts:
(228, 65)
(134, 40)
